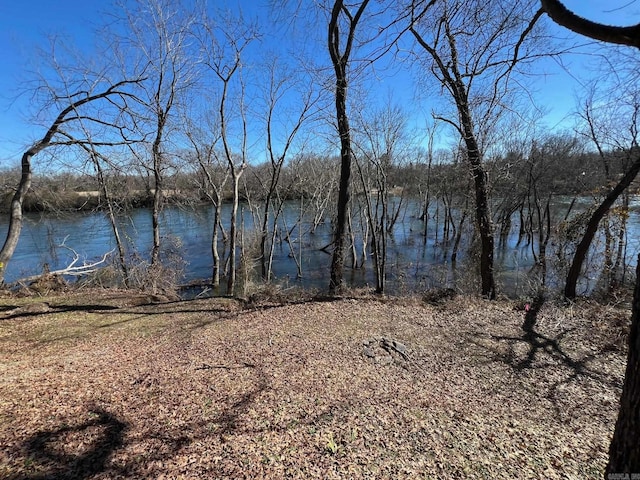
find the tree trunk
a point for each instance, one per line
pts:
(231, 277)
(15, 219)
(337, 261)
(620, 254)
(427, 199)
(155, 225)
(264, 233)
(456, 244)
(483, 210)
(265, 263)
(485, 228)
(340, 61)
(624, 451)
(157, 199)
(215, 274)
(454, 78)
(114, 223)
(592, 228)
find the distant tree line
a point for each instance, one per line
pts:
(553, 161)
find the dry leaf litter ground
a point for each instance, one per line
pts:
(97, 386)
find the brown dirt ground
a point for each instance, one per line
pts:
(99, 385)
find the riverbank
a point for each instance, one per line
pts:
(106, 384)
(66, 201)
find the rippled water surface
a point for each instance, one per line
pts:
(412, 264)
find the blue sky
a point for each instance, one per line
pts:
(25, 26)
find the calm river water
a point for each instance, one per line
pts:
(412, 264)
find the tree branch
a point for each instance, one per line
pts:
(598, 31)
(70, 269)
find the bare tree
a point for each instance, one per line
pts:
(426, 196)
(317, 184)
(158, 43)
(358, 35)
(343, 23)
(472, 49)
(223, 47)
(97, 159)
(281, 134)
(624, 452)
(379, 142)
(75, 109)
(215, 173)
(537, 190)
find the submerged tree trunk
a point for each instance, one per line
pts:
(376, 222)
(215, 255)
(427, 196)
(232, 273)
(124, 269)
(614, 279)
(592, 228)
(456, 243)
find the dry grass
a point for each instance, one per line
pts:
(103, 385)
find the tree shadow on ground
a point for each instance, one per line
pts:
(152, 308)
(46, 448)
(228, 420)
(44, 308)
(218, 314)
(544, 351)
(83, 451)
(163, 447)
(539, 344)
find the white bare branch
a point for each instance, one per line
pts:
(70, 270)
